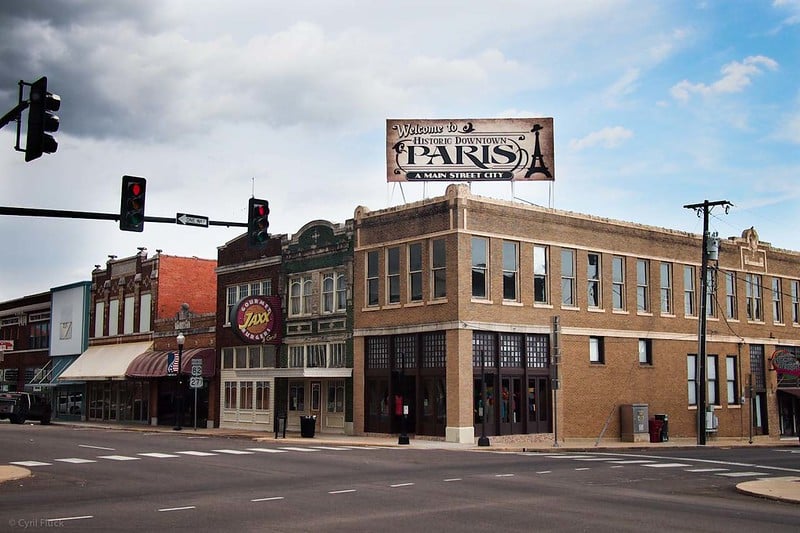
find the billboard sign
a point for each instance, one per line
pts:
(509, 149)
(258, 319)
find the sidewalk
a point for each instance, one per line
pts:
(785, 489)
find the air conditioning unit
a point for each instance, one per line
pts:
(712, 422)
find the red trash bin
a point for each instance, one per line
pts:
(655, 430)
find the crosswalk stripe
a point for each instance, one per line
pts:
(666, 465)
(267, 450)
(76, 460)
(334, 448)
(158, 455)
(631, 462)
(234, 452)
(742, 474)
(29, 463)
(118, 457)
(702, 470)
(196, 454)
(294, 449)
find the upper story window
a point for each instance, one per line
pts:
(731, 310)
(568, 277)
(510, 270)
(795, 302)
(666, 288)
(689, 300)
(235, 293)
(39, 334)
(300, 293)
(643, 285)
(618, 282)
(393, 275)
(415, 271)
(317, 356)
(593, 270)
(480, 267)
(372, 278)
(596, 353)
(439, 268)
(334, 292)
(541, 282)
(777, 306)
(752, 286)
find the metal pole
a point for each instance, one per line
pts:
(179, 413)
(483, 440)
(195, 409)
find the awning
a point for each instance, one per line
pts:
(154, 364)
(109, 361)
(794, 391)
(53, 369)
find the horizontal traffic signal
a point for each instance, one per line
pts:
(131, 209)
(41, 120)
(257, 222)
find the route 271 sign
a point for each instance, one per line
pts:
(257, 319)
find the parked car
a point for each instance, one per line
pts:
(21, 406)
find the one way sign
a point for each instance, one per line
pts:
(191, 220)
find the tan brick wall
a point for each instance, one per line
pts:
(588, 402)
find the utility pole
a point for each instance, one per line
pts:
(701, 377)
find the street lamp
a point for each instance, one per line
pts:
(403, 439)
(483, 440)
(179, 413)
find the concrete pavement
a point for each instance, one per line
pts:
(785, 489)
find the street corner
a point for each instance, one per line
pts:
(785, 489)
(12, 473)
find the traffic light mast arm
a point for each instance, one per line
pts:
(56, 213)
(14, 114)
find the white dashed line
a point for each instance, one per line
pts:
(29, 463)
(581, 469)
(234, 452)
(157, 455)
(504, 475)
(666, 465)
(118, 457)
(701, 470)
(66, 518)
(270, 499)
(196, 454)
(266, 450)
(167, 509)
(76, 460)
(452, 479)
(743, 474)
(544, 472)
(397, 485)
(96, 447)
(632, 462)
(345, 491)
(294, 449)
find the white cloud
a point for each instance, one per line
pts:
(735, 77)
(607, 138)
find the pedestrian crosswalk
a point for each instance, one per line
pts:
(619, 461)
(192, 453)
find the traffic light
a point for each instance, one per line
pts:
(41, 120)
(257, 222)
(131, 208)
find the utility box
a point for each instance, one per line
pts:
(633, 423)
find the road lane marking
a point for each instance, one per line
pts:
(295, 449)
(334, 448)
(76, 460)
(701, 470)
(666, 465)
(118, 457)
(266, 450)
(66, 518)
(632, 462)
(743, 474)
(29, 463)
(96, 447)
(397, 485)
(197, 454)
(452, 479)
(581, 469)
(158, 455)
(344, 491)
(270, 499)
(504, 475)
(167, 509)
(544, 472)
(234, 452)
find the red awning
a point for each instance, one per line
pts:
(154, 364)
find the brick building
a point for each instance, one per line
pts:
(24, 340)
(138, 306)
(607, 310)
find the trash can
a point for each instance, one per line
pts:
(308, 425)
(665, 426)
(280, 425)
(655, 430)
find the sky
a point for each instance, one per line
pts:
(655, 105)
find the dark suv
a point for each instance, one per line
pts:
(21, 406)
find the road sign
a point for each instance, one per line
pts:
(195, 382)
(197, 368)
(191, 220)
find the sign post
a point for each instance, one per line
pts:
(195, 382)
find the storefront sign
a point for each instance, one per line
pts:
(784, 362)
(258, 319)
(514, 149)
(6, 345)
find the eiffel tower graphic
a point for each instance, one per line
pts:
(537, 162)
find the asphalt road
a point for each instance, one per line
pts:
(89, 479)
